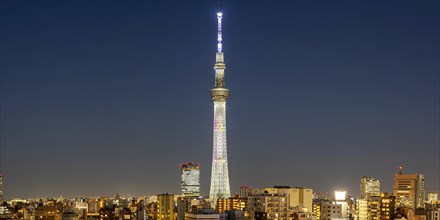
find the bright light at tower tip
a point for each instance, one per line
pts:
(219, 29)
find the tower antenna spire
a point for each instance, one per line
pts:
(219, 33)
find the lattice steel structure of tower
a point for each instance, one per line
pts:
(219, 174)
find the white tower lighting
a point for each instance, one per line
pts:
(219, 174)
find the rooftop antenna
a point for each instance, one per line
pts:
(400, 170)
(219, 33)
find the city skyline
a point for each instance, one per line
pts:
(94, 95)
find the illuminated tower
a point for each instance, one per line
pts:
(219, 94)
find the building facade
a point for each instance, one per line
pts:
(369, 187)
(245, 191)
(331, 211)
(300, 198)
(362, 209)
(184, 205)
(409, 190)
(387, 206)
(374, 208)
(190, 179)
(269, 206)
(165, 207)
(233, 203)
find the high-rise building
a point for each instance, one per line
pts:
(190, 174)
(219, 94)
(362, 209)
(316, 209)
(374, 208)
(369, 187)
(387, 206)
(409, 190)
(165, 207)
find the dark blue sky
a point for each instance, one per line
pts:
(100, 97)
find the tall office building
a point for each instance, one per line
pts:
(219, 174)
(387, 206)
(362, 209)
(316, 209)
(190, 184)
(409, 190)
(165, 207)
(369, 187)
(374, 208)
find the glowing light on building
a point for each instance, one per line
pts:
(219, 33)
(219, 174)
(340, 195)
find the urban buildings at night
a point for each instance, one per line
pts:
(186, 201)
(276, 203)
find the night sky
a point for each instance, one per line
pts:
(106, 97)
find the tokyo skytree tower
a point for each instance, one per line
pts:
(219, 94)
